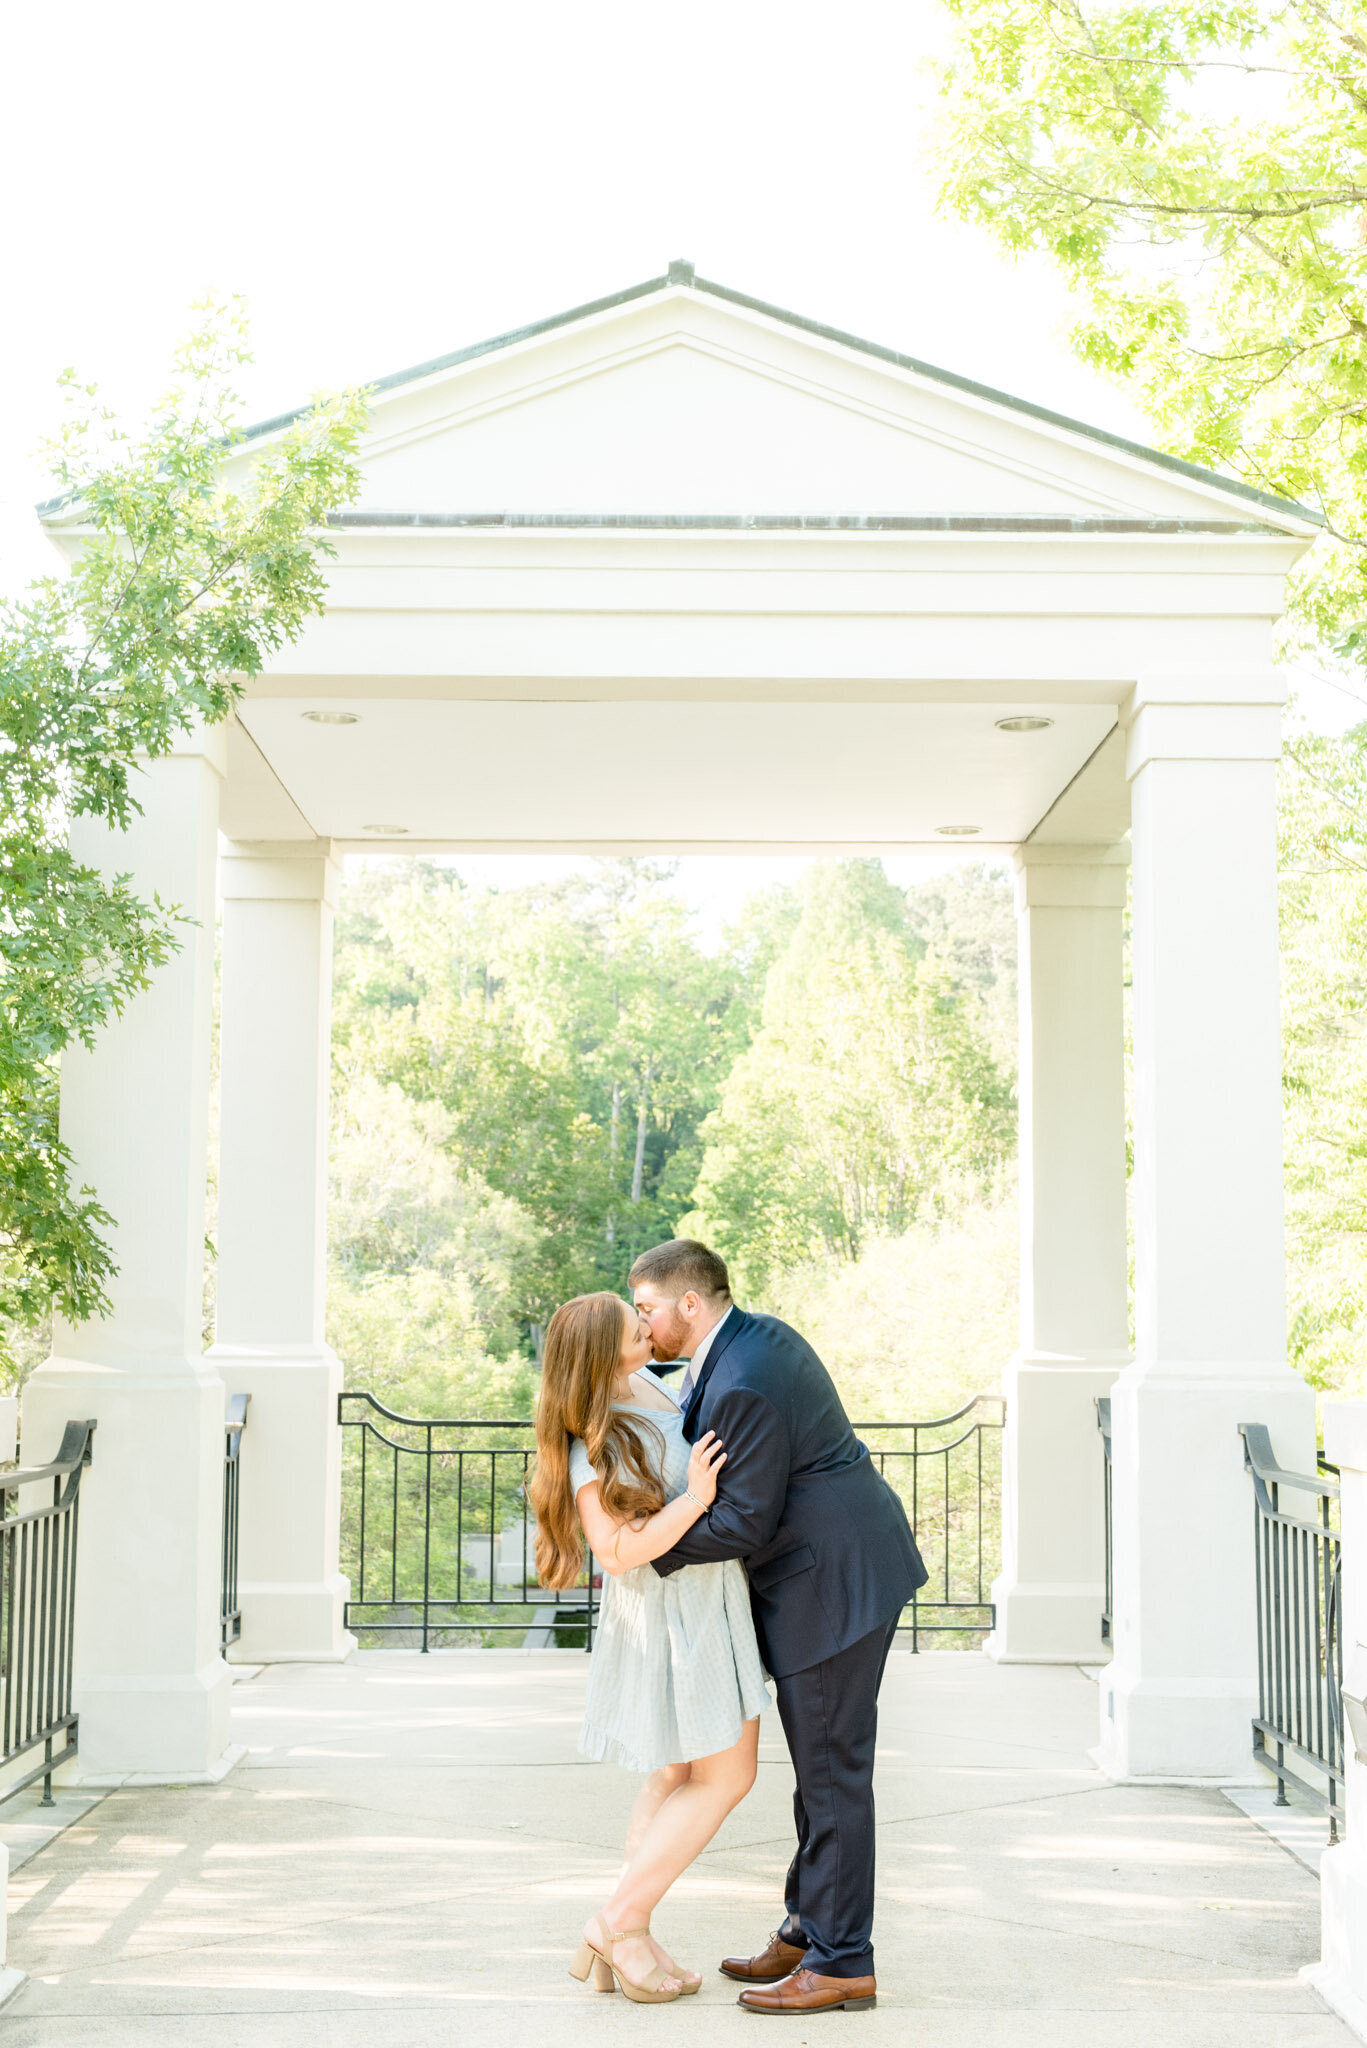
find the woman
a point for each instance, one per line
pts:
(675, 1682)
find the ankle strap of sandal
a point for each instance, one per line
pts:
(628, 1933)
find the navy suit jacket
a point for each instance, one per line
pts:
(825, 1540)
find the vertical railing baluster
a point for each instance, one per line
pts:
(394, 1534)
(6, 1534)
(50, 1635)
(1299, 1633)
(30, 1631)
(460, 1527)
(978, 1440)
(526, 1523)
(360, 1543)
(427, 1540)
(493, 1516)
(62, 1658)
(916, 1523)
(12, 1537)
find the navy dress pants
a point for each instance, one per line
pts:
(830, 1717)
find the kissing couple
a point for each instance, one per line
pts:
(743, 1530)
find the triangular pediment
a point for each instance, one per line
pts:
(683, 399)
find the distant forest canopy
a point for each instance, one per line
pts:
(533, 1084)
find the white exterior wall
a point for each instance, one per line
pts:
(150, 1686)
(1074, 1281)
(278, 906)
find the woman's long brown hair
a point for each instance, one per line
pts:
(583, 1357)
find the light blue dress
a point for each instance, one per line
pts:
(675, 1671)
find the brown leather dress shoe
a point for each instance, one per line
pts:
(780, 1959)
(805, 1991)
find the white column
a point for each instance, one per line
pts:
(1340, 1976)
(150, 1686)
(1070, 902)
(278, 904)
(1210, 1311)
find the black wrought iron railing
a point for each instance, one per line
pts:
(437, 1534)
(38, 1548)
(438, 1538)
(1103, 1423)
(948, 1474)
(1298, 1729)
(230, 1607)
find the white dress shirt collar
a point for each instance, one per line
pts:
(699, 1358)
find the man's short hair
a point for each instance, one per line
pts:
(682, 1266)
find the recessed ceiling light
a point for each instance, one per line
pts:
(387, 831)
(958, 831)
(1027, 722)
(331, 717)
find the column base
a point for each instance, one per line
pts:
(1340, 1977)
(291, 1594)
(150, 1688)
(1043, 1624)
(1051, 1592)
(174, 1727)
(1153, 1734)
(90, 1780)
(292, 1624)
(1177, 1703)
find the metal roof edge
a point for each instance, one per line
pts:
(988, 392)
(474, 350)
(803, 522)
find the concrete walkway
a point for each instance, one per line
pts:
(406, 1853)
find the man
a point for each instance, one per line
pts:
(832, 1563)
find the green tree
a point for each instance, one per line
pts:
(866, 1100)
(967, 918)
(427, 1264)
(182, 587)
(1198, 169)
(1324, 1000)
(574, 1035)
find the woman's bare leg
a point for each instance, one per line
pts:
(683, 1825)
(649, 1800)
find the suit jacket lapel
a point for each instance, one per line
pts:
(735, 1321)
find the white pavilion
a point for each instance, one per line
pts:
(891, 610)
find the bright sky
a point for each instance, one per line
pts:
(383, 185)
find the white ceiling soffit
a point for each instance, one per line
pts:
(479, 773)
(255, 803)
(686, 399)
(1094, 809)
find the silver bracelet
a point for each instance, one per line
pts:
(694, 1498)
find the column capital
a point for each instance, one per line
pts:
(1054, 877)
(1205, 714)
(279, 870)
(201, 743)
